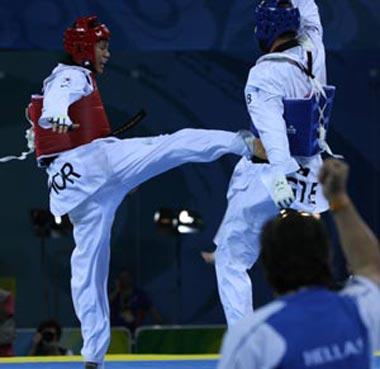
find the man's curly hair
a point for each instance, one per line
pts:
(296, 253)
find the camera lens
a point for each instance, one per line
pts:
(47, 336)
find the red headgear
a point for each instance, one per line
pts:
(80, 39)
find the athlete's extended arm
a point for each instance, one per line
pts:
(359, 244)
(310, 19)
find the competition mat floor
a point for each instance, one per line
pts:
(122, 362)
(115, 362)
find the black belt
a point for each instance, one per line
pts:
(257, 160)
(45, 162)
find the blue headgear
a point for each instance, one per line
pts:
(274, 18)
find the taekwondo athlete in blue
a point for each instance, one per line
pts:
(289, 103)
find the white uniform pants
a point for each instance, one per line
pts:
(237, 240)
(249, 208)
(121, 165)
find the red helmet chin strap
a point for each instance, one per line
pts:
(79, 40)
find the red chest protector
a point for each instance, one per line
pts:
(88, 112)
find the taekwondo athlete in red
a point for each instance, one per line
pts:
(90, 174)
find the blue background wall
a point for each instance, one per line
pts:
(186, 63)
(175, 24)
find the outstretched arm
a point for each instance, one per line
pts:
(359, 244)
(310, 19)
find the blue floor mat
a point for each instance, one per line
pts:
(198, 364)
(161, 364)
(135, 364)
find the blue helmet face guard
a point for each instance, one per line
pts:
(273, 18)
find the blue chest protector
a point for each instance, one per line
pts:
(323, 330)
(307, 120)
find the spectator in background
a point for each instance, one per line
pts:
(7, 323)
(46, 340)
(309, 325)
(129, 305)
